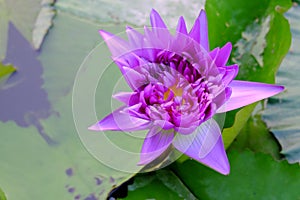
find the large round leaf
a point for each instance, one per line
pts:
(283, 112)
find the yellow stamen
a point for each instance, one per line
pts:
(175, 90)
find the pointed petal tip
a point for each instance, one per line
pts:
(224, 171)
(181, 26)
(202, 13)
(220, 165)
(228, 45)
(246, 92)
(205, 145)
(199, 31)
(128, 28)
(94, 127)
(153, 11)
(104, 34)
(156, 20)
(155, 14)
(281, 87)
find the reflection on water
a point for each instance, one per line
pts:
(24, 101)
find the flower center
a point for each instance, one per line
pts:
(176, 91)
(175, 94)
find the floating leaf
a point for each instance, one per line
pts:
(283, 112)
(240, 119)
(165, 184)
(252, 176)
(256, 137)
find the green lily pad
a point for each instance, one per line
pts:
(252, 176)
(240, 119)
(256, 137)
(283, 113)
(165, 184)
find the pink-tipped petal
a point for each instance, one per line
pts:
(120, 120)
(223, 55)
(205, 145)
(116, 45)
(155, 143)
(199, 31)
(156, 20)
(245, 93)
(181, 27)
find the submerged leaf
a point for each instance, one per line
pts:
(23, 89)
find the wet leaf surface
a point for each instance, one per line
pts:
(166, 184)
(283, 112)
(252, 176)
(23, 89)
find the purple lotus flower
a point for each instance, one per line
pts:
(178, 85)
